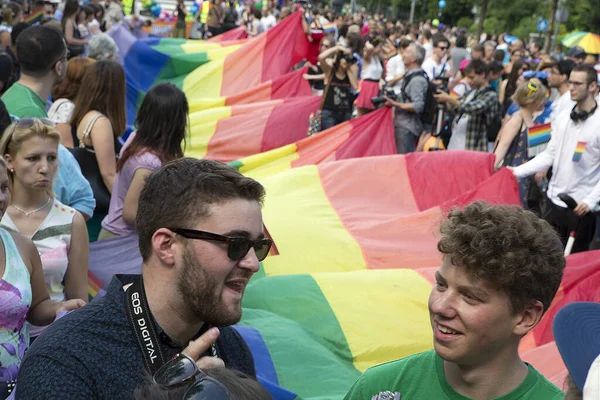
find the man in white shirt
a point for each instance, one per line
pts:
(559, 80)
(435, 66)
(574, 155)
(394, 70)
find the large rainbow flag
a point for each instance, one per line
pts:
(209, 70)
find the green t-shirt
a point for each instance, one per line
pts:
(23, 102)
(421, 377)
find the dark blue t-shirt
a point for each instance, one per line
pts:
(92, 353)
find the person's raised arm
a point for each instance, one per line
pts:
(328, 53)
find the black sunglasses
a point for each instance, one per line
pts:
(237, 246)
(442, 48)
(180, 370)
(25, 123)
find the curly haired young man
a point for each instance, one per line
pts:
(501, 268)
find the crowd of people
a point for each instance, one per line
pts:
(67, 179)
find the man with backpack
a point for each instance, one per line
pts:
(477, 113)
(410, 103)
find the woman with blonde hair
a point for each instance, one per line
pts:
(30, 148)
(23, 295)
(512, 146)
(64, 94)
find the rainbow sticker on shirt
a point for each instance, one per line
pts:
(538, 137)
(579, 151)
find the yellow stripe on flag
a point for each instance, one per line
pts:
(205, 81)
(362, 300)
(262, 165)
(203, 126)
(293, 200)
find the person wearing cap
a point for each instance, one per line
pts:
(577, 55)
(575, 329)
(492, 289)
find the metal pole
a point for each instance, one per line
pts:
(412, 11)
(556, 28)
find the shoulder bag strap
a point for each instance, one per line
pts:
(88, 129)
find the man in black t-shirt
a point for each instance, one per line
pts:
(201, 238)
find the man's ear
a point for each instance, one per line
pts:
(528, 318)
(164, 246)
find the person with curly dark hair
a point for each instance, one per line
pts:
(501, 268)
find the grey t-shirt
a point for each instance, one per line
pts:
(458, 55)
(415, 93)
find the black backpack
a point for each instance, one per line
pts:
(430, 109)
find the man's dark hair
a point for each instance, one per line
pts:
(461, 41)
(477, 66)
(181, 193)
(565, 67)
(240, 386)
(38, 49)
(507, 246)
(17, 30)
(437, 39)
(590, 71)
(494, 67)
(499, 55)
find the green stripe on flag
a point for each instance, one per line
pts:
(300, 330)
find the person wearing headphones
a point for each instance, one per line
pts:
(574, 154)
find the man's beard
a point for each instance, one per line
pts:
(197, 288)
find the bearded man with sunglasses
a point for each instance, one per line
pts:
(201, 239)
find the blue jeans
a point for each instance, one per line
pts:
(330, 118)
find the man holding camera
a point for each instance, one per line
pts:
(475, 112)
(411, 101)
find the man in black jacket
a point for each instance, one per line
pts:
(201, 238)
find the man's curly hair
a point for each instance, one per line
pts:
(506, 246)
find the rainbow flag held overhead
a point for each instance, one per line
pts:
(208, 70)
(538, 137)
(329, 27)
(369, 135)
(216, 132)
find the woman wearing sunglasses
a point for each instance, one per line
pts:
(59, 233)
(23, 295)
(157, 141)
(513, 146)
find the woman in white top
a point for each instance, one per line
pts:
(30, 147)
(371, 74)
(64, 94)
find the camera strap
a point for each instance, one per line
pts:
(142, 324)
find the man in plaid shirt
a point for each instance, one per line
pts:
(475, 111)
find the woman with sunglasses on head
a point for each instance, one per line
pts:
(157, 141)
(23, 295)
(512, 147)
(30, 147)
